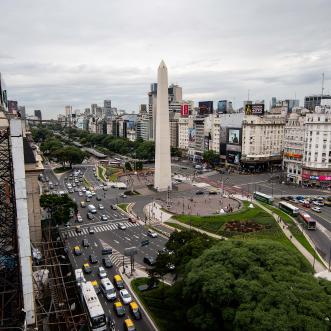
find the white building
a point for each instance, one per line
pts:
(185, 124)
(262, 141)
(316, 168)
(294, 134)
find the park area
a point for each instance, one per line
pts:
(247, 223)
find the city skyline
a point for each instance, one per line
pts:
(85, 54)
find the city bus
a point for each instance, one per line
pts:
(288, 208)
(263, 197)
(95, 312)
(307, 220)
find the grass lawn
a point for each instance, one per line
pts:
(296, 232)
(101, 173)
(87, 183)
(60, 170)
(154, 302)
(123, 206)
(176, 226)
(256, 216)
(114, 172)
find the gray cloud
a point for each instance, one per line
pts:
(55, 53)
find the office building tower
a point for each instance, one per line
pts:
(21, 111)
(315, 100)
(94, 108)
(175, 93)
(37, 114)
(152, 100)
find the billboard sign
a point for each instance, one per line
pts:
(184, 112)
(255, 109)
(233, 157)
(191, 135)
(206, 107)
(234, 136)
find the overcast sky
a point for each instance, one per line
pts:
(78, 52)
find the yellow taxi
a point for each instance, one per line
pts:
(77, 250)
(135, 311)
(119, 308)
(118, 281)
(128, 325)
(86, 268)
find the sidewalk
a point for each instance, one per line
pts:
(160, 216)
(318, 267)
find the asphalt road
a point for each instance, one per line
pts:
(107, 232)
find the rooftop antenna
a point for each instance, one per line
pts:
(322, 84)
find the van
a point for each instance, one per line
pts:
(108, 289)
(92, 209)
(79, 276)
(118, 282)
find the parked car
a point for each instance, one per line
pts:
(125, 296)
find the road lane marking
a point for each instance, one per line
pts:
(117, 242)
(127, 238)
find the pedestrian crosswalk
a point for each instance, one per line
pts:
(99, 228)
(117, 259)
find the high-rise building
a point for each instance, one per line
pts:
(87, 111)
(312, 101)
(94, 108)
(21, 110)
(12, 106)
(152, 100)
(37, 114)
(175, 93)
(224, 107)
(294, 134)
(143, 109)
(316, 168)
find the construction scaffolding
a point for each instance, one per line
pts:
(58, 305)
(11, 301)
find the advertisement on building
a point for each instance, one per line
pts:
(234, 136)
(233, 157)
(191, 135)
(184, 112)
(206, 107)
(256, 109)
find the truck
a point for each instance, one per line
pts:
(92, 209)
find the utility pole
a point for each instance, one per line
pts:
(322, 84)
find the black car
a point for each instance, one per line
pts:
(199, 192)
(149, 260)
(85, 243)
(107, 262)
(93, 259)
(99, 198)
(113, 207)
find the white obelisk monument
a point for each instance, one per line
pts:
(162, 175)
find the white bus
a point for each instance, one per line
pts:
(288, 208)
(263, 197)
(96, 314)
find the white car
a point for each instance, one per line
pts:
(80, 193)
(152, 234)
(102, 272)
(83, 189)
(101, 207)
(121, 226)
(125, 296)
(123, 195)
(316, 209)
(92, 192)
(79, 219)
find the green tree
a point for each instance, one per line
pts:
(128, 166)
(50, 145)
(58, 206)
(139, 165)
(211, 157)
(40, 134)
(253, 285)
(70, 154)
(176, 152)
(146, 150)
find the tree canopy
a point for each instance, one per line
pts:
(211, 157)
(58, 206)
(254, 285)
